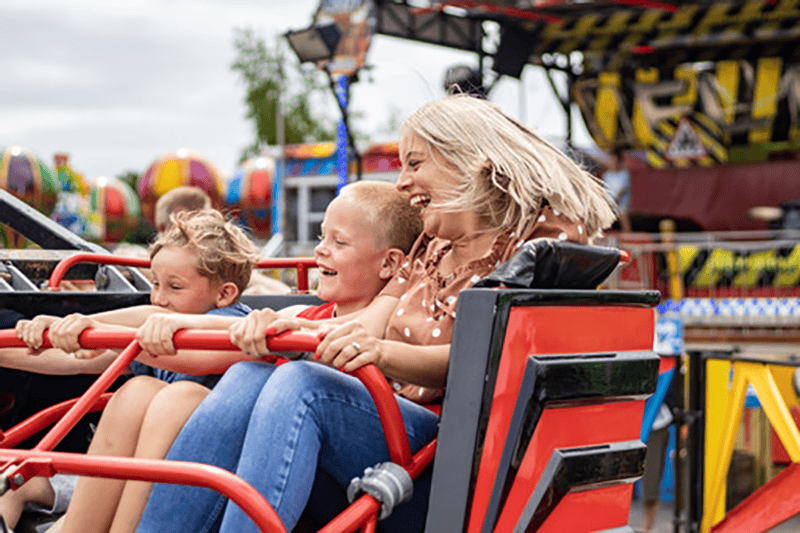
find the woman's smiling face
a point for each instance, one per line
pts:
(430, 183)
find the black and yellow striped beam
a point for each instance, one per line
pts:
(614, 31)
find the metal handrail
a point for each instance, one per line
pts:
(65, 264)
(302, 264)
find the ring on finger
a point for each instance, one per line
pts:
(357, 346)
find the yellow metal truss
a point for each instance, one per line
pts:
(725, 397)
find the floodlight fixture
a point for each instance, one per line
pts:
(316, 43)
(464, 79)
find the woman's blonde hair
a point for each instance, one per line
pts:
(505, 170)
(224, 251)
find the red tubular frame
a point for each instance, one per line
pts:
(302, 264)
(40, 461)
(68, 262)
(44, 418)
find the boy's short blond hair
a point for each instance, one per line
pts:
(183, 198)
(395, 223)
(224, 251)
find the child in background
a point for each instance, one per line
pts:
(183, 198)
(199, 265)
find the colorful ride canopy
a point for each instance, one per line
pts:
(121, 207)
(249, 191)
(176, 168)
(25, 176)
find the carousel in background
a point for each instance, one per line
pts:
(73, 208)
(28, 178)
(176, 168)
(100, 210)
(119, 207)
(249, 195)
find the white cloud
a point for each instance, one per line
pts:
(33, 71)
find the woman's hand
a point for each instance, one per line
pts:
(32, 331)
(349, 347)
(64, 335)
(155, 335)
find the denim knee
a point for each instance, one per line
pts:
(300, 376)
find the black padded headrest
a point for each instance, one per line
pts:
(549, 264)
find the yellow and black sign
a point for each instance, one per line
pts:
(705, 269)
(699, 114)
(683, 141)
(693, 83)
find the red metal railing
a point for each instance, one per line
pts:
(42, 462)
(302, 264)
(68, 262)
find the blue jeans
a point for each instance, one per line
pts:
(274, 427)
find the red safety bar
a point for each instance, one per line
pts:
(43, 419)
(67, 263)
(41, 461)
(302, 264)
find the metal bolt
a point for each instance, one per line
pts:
(18, 480)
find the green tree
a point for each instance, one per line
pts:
(266, 70)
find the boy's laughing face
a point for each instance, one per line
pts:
(347, 256)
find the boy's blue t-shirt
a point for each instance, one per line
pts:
(209, 380)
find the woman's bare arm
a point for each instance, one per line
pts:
(351, 346)
(421, 365)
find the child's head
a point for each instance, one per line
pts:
(183, 198)
(202, 262)
(366, 233)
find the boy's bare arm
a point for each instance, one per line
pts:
(54, 362)
(70, 326)
(155, 335)
(195, 362)
(132, 317)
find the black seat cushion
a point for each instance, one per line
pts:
(549, 264)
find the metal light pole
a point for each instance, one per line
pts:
(278, 208)
(342, 90)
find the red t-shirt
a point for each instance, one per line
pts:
(318, 312)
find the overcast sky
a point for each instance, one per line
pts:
(115, 83)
